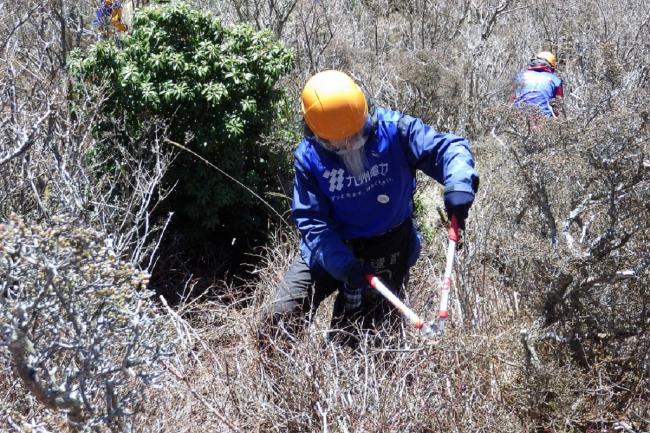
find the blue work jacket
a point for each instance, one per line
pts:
(538, 87)
(330, 206)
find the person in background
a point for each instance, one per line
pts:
(353, 203)
(538, 85)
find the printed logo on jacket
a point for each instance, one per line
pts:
(377, 175)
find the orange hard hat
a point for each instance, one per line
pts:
(549, 57)
(333, 105)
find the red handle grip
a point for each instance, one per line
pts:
(454, 230)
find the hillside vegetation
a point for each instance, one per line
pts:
(127, 173)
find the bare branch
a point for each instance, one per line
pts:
(27, 139)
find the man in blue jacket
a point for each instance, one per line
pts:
(353, 202)
(538, 86)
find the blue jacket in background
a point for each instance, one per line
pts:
(331, 206)
(538, 87)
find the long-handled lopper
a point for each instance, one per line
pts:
(435, 327)
(419, 324)
(443, 313)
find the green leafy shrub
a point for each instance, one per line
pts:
(214, 87)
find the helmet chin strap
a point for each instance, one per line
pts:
(343, 146)
(351, 145)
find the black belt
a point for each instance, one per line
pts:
(394, 239)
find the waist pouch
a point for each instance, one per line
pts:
(387, 253)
